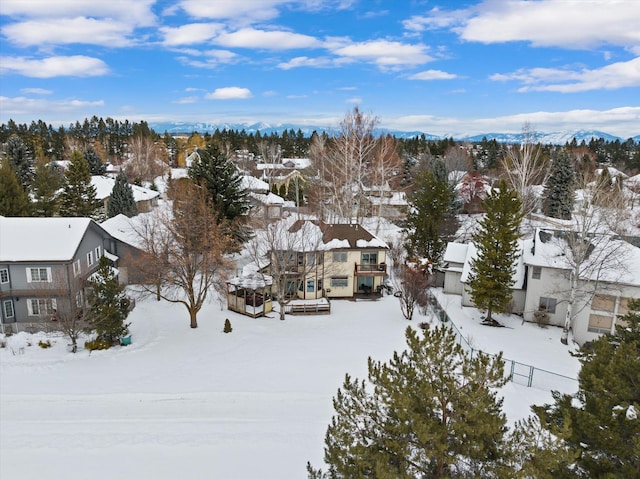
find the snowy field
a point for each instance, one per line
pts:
(182, 403)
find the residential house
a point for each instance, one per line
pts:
(145, 198)
(457, 267)
(264, 203)
(543, 281)
(603, 291)
(346, 260)
(46, 261)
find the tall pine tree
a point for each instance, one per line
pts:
(428, 215)
(431, 411)
(21, 159)
(559, 189)
(46, 189)
(14, 201)
(109, 305)
(219, 175)
(601, 422)
(78, 196)
(121, 200)
(497, 243)
(96, 166)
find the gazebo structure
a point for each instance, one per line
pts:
(250, 294)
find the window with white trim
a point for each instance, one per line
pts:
(548, 304)
(89, 258)
(38, 275)
(4, 275)
(8, 309)
(76, 268)
(98, 253)
(311, 286)
(41, 306)
(339, 256)
(339, 282)
(536, 272)
(600, 323)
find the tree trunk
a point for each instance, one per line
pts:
(281, 311)
(564, 338)
(194, 320)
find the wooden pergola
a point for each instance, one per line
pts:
(250, 294)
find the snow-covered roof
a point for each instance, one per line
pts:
(104, 186)
(251, 281)
(455, 252)
(339, 236)
(121, 228)
(268, 199)
(550, 249)
(41, 239)
(518, 275)
(252, 183)
(613, 172)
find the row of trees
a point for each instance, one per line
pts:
(434, 411)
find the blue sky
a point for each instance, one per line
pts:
(441, 67)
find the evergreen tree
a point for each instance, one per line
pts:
(121, 200)
(14, 200)
(559, 189)
(497, 243)
(78, 197)
(429, 216)
(96, 166)
(109, 306)
(431, 411)
(221, 178)
(601, 422)
(46, 189)
(21, 160)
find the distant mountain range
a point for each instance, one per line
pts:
(555, 138)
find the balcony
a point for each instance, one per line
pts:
(379, 269)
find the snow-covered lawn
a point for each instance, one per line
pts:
(182, 403)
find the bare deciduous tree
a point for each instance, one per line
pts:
(288, 251)
(411, 282)
(525, 166)
(593, 253)
(148, 159)
(185, 250)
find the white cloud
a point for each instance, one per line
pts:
(579, 24)
(190, 34)
(36, 91)
(186, 100)
(609, 77)
(69, 30)
(212, 58)
(387, 55)
(356, 100)
(229, 93)
(263, 39)
(35, 106)
(432, 75)
(136, 12)
(318, 62)
(246, 10)
(75, 65)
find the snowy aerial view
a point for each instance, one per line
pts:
(337, 239)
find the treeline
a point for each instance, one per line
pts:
(110, 138)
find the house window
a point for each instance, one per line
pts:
(603, 302)
(623, 307)
(41, 307)
(319, 285)
(311, 259)
(548, 304)
(98, 253)
(4, 275)
(89, 258)
(599, 323)
(311, 286)
(369, 258)
(339, 282)
(76, 268)
(8, 309)
(339, 256)
(38, 275)
(536, 272)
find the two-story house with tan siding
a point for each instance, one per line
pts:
(44, 261)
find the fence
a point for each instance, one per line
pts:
(519, 373)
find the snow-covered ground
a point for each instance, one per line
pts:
(200, 403)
